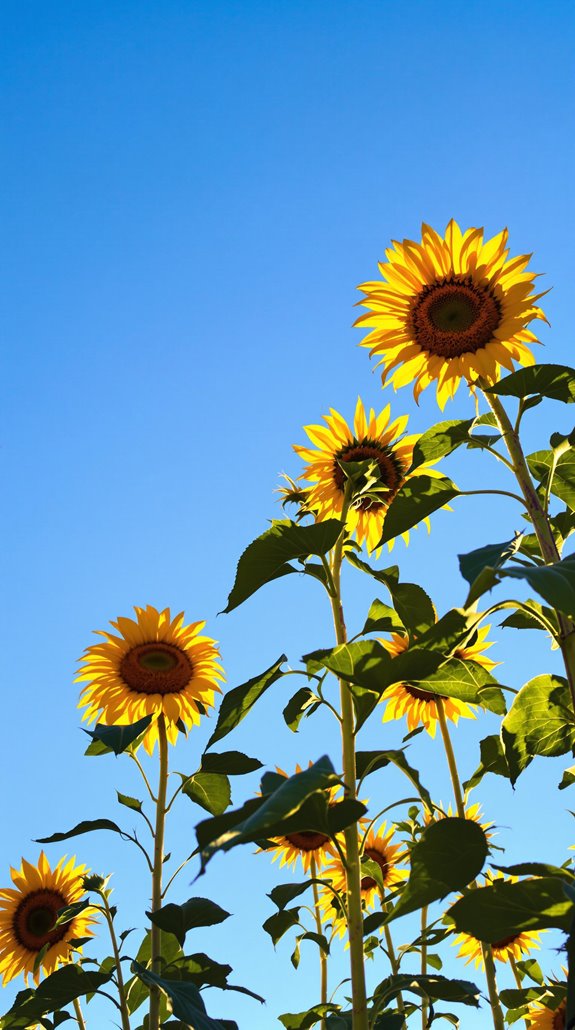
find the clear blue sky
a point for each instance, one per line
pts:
(190, 193)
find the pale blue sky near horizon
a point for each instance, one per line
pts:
(190, 193)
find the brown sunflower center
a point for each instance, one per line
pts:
(390, 470)
(307, 840)
(34, 918)
(422, 695)
(454, 316)
(505, 941)
(157, 668)
(367, 882)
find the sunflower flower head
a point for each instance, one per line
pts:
(29, 941)
(307, 846)
(152, 665)
(369, 462)
(515, 946)
(543, 1017)
(450, 308)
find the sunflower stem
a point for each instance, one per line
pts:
(353, 865)
(497, 1013)
(154, 1022)
(394, 964)
(319, 928)
(540, 522)
(135, 759)
(456, 782)
(120, 979)
(518, 981)
(424, 1008)
(79, 1016)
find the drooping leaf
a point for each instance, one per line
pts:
(116, 739)
(555, 583)
(414, 607)
(430, 986)
(303, 702)
(440, 440)
(539, 722)
(528, 616)
(307, 1019)
(211, 791)
(129, 802)
(368, 762)
(477, 566)
(418, 498)
(280, 923)
(554, 381)
(54, 992)
(450, 854)
(186, 1000)
(230, 763)
(200, 969)
(537, 869)
(492, 760)
(237, 703)
(269, 556)
(504, 909)
(86, 826)
(286, 892)
(178, 919)
(170, 951)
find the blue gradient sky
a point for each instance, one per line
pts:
(190, 193)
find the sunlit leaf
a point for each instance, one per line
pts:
(381, 618)
(539, 722)
(440, 440)
(116, 739)
(492, 760)
(268, 557)
(129, 802)
(477, 566)
(418, 498)
(178, 919)
(211, 791)
(303, 702)
(86, 826)
(554, 381)
(430, 986)
(237, 703)
(563, 483)
(449, 855)
(505, 909)
(467, 681)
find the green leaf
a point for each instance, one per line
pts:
(475, 564)
(368, 762)
(554, 381)
(178, 919)
(505, 909)
(58, 989)
(117, 739)
(440, 440)
(522, 619)
(467, 681)
(303, 702)
(185, 998)
(455, 629)
(430, 986)
(237, 703)
(449, 855)
(418, 498)
(86, 826)
(555, 583)
(382, 619)
(537, 869)
(414, 607)
(280, 923)
(211, 791)
(541, 464)
(568, 778)
(199, 969)
(231, 763)
(539, 722)
(286, 892)
(136, 991)
(129, 802)
(492, 760)
(67, 914)
(268, 557)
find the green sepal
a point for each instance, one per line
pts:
(268, 557)
(554, 381)
(539, 722)
(237, 703)
(108, 740)
(505, 909)
(448, 856)
(178, 919)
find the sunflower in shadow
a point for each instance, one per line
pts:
(29, 941)
(450, 308)
(385, 456)
(310, 847)
(512, 948)
(419, 706)
(154, 664)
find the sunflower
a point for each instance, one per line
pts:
(373, 439)
(420, 706)
(378, 847)
(448, 309)
(472, 812)
(156, 665)
(307, 845)
(513, 947)
(28, 912)
(543, 1018)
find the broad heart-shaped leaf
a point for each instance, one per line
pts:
(440, 440)
(449, 855)
(491, 557)
(237, 703)
(86, 826)
(413, 606)
(537, 869)
(280, 923)
(116, 739)
(286, 892)
(467, 681)
(368, 762)
(431, 986)
(211, 791)
(186, 1000)
(418, 498)
(268, 557)
(555, 381)
(199, 969)
(231, 763)
(58, 989)
(504, 909)
(492, 760)
(178, 919)
(539, 722)
(382, 619)
(555, 583)
(136, 991)
(563, 483)
(368, 664)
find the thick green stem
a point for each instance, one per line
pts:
(541, 525)
(79, 1016)
(353, 863)
(519, 983)
(394, 965)
(155, 996)
(498, 1021)
(119, 977)
(424, 1008)
(319, 928)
